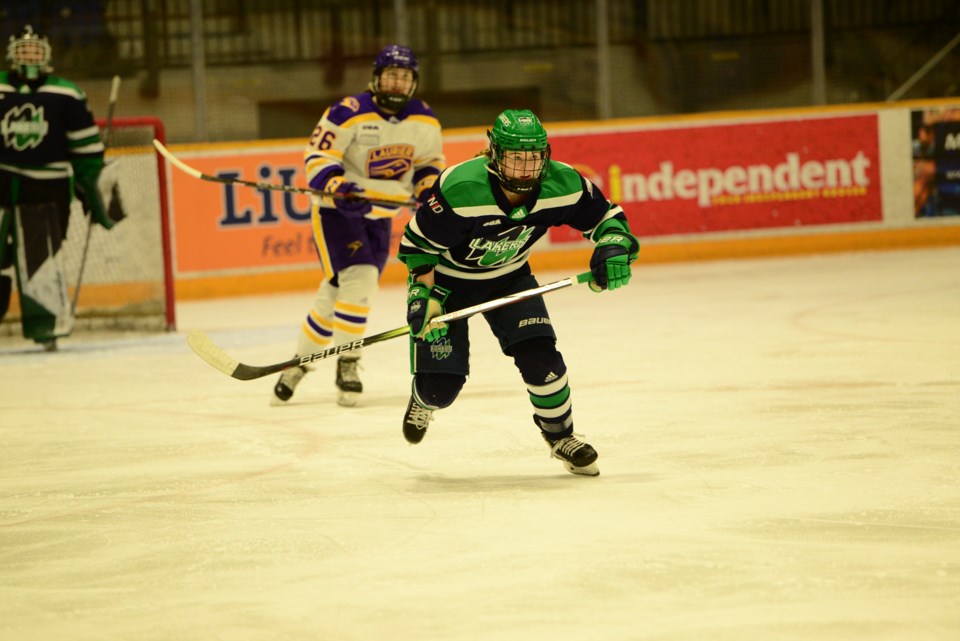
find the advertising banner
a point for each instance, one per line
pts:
(689, 180)
(676, 180)
(936, 161)
(219, 227)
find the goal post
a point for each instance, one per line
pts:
(128, 280)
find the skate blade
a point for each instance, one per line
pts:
(347, 399)
(277, 402)
(586, 470)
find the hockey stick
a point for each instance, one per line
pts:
(196, 173)
(209, 351)
(114, 90)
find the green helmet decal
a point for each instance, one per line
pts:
(519, 130)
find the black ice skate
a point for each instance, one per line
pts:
(415, 421)
(349, 386)
(283, 390)
(578, 457)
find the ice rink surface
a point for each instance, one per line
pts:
(779, 450)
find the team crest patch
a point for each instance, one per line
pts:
(488, 252)
(389, 161)
(440, 349)
(23, 127)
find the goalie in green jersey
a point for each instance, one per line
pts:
(50, 151)
(470, 241)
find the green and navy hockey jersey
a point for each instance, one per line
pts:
(46, 130)
(468, 229)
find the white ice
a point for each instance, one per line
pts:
(779, 450)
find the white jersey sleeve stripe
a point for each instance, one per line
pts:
(415, 228)
(80, 134)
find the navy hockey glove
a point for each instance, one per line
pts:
(424, 303)
(610, 263)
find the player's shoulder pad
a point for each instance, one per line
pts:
(59, 84)
(418, 107)
(349, 107)
(466, 184)
(564, 179)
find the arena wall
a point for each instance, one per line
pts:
(704, 187)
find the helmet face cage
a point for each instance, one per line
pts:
(399, 57)
(29, 54)
(520, 153)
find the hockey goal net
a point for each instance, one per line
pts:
(127, 278)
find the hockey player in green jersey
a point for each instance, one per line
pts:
(50, 148)
(470, 242)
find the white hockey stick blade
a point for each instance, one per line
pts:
(176, 162)
(209, 351)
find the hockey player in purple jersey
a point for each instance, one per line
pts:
(386, 144)
(50, 149)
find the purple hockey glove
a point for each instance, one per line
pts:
(356, 208)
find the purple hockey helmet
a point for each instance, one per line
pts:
(394, 56)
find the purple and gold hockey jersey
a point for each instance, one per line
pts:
(387, 155)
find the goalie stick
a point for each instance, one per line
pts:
(105, 138)
(196, 173)
(209, 351)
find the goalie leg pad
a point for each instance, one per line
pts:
(44, 300)
(6, 259)
(6, 289)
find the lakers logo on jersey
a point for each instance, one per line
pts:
(23, 127)
(390, 161)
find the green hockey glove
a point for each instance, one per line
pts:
(424, 303)
(87, 192)
(616, 248)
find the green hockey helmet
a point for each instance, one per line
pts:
(29, 54)
(519, 151)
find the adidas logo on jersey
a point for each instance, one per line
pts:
(550, 377)
(492, 223)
